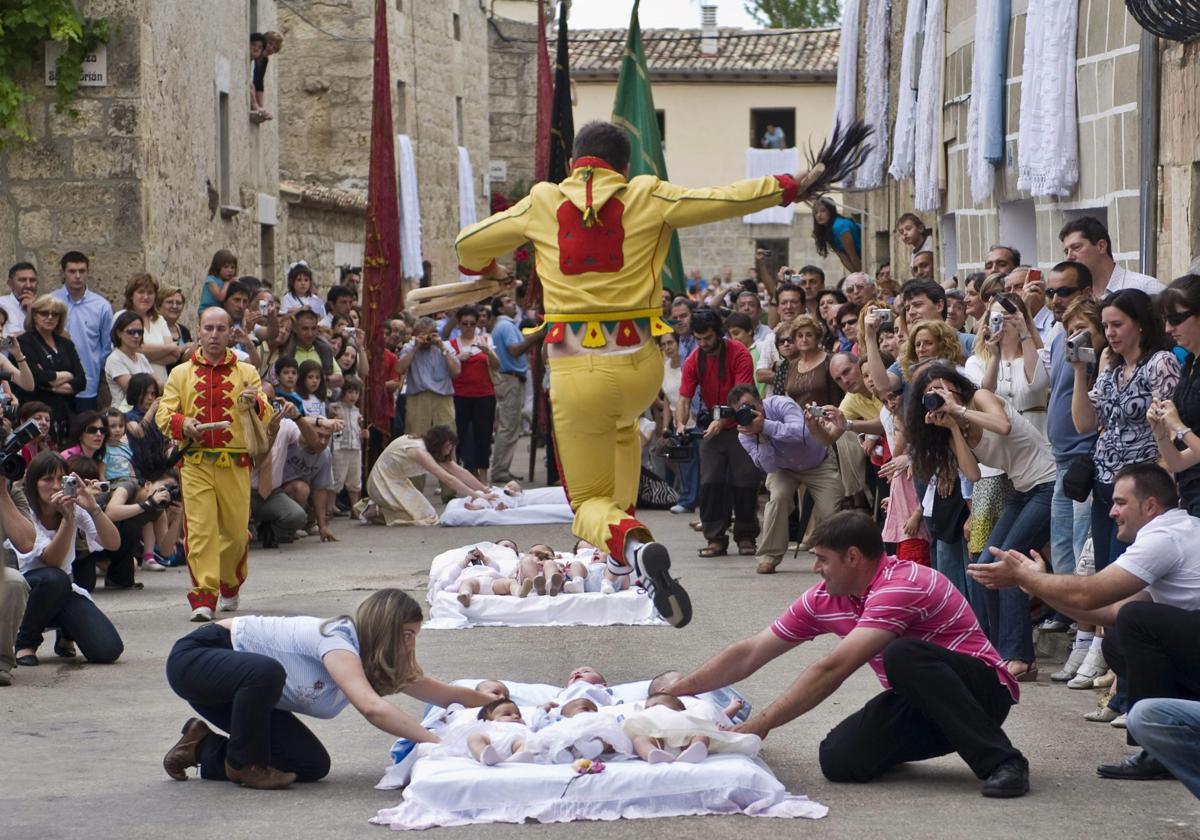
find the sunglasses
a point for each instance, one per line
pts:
(1177, 318)
(850, 323)
(46, 313)
(96, 430)
(1065, 291)
(785, 341)
(135, 332)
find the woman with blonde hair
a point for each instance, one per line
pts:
(808, 378)
(51, 356)
(249, 675)
(927, 341)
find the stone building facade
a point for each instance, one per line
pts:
(1108, 111)
(439, 70)
(1178, 164)
(163, 165)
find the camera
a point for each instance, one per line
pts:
(744, 415)
(788, 276)
(101, 486)
(263, 307)
(174, 495)
(722, 412)
(6, 342)
(933, 401)
(70, 486)
(1079, 347)
(681, 446)
(884, 315)
(817, 412)
(12, 465)
(995, 323)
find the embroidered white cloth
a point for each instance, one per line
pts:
(466, 194)
(984, 88)
(537, 505)
(845, 105)
(927, 170)
(763, 162)
(410, 210)
(1048, 139)
(876, 64)
(904, 136)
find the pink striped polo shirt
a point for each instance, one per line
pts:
(905, 599)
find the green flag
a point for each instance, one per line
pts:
(633, 110)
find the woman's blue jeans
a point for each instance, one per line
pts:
(1024, 525)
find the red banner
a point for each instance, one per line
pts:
(383, 294)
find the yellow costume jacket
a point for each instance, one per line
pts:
(197, 388)
(601, 241)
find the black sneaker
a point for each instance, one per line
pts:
(1009, 779)
(651, 567)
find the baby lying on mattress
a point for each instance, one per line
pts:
(539, 571)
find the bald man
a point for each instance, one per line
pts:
(213, 387)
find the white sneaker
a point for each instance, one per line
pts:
(1071, 668)
(679, 509)
(201, 614)
(227, 604)
(1092, 667)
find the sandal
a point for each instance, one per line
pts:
(696, 526)
(1030, 674)
(714, 550)
(747, 548)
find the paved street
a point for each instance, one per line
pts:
(82, 745)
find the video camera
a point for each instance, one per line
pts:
(12, 465)
(682, 446)
(1079, 347)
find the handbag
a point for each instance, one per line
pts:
(253, 430)
(1079, 478)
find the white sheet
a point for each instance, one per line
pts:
(541, 505)
(466, 194)
(410, 210)
(763, 162)
(458, 791)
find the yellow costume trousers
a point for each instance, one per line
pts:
(597, 400)
(216, 508)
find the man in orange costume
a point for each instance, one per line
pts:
(601, 240)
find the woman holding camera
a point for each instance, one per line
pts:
(62, 506)
(1174, 421)
(1136, 369)
(955, 427)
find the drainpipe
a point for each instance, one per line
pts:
(1148, 115)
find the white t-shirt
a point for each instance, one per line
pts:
(15, 325)
(300, 647)
(32, 559)
(291, 303)
(119, 364)
(289, 433)
(1164, 555)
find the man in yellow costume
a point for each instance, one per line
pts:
(215, 474)
(601, 240)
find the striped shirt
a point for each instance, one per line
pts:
(905, 599)
(299, 646)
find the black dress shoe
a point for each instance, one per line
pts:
(1008, 780)
(29, 660)
(1141, 767)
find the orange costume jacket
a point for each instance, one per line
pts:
(601, 242)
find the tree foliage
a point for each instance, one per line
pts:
(794, 14)
(25, 26)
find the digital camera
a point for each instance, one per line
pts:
(933, 401)
(1079, 347)
(885, 315)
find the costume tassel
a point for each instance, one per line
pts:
(593, 335)
(627, 334)
(589, 212)
(556, 335)
(658, 326)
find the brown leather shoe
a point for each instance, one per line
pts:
(183, 755)
(258, 777)
(765, 568)
(747, 548)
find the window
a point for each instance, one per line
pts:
(458, 119)
(223, 146)
(266, 251)
(949, 251)
(778, 256)
(401, 122)
(399, 5)
(253, 15)
(777, 118)
(456, 22)
(661, 117)
(1018, 228)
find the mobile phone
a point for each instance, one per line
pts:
(1034, 276)
(263, 307)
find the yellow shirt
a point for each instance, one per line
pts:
(610, 263)
(197, 388)
(860, 407)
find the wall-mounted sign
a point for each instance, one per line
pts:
(498, 170)
(95, 65)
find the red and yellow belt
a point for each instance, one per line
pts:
(599, 328)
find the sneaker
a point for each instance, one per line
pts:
(680, 509)
(201, 614)
(229, 604)
(1105, 680)
(1092, 667)
(299, 534)
(1102, 715)
(1054, 624)
(1071, 667)
(151, 563)
(651, 567)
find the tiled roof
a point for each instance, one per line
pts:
(740, 52)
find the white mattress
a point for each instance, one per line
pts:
(459, 791)
(540, 505)
(584, 608)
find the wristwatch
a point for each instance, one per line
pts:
(849, 425)
(1178, 439)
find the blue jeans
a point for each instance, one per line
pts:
(689, 483)
(1069, 524)
(1104, 530)
(1170, 731)
(1024, 525)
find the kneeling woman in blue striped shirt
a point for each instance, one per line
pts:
(250, 675)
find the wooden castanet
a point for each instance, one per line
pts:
(446, 296)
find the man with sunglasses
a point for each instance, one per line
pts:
(1066, 283)
(859, 288)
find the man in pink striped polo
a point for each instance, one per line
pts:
(945, 687)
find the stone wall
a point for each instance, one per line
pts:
(512, 75)
(325, 84)
(126, 182)
(1107, 94)
(313, 233)
(714, 246)
(1179, 159)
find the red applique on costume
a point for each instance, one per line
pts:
(790, 189)
(627, 334)
(617, 534)
(215, 400)
(556, 334)
(583, 249)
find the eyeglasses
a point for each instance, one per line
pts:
(95, 430)
(1065, 291)
(137, 333)
(1177, 318)
(849, 323)
(46, 313)
(785, 341)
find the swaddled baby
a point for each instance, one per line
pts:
(666, 730)
(579, 731)
(511, 495)
(498, 733)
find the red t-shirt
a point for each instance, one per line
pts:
(714, 390)
(476, 378)
(389, 365)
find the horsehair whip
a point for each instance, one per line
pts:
(839, 156)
